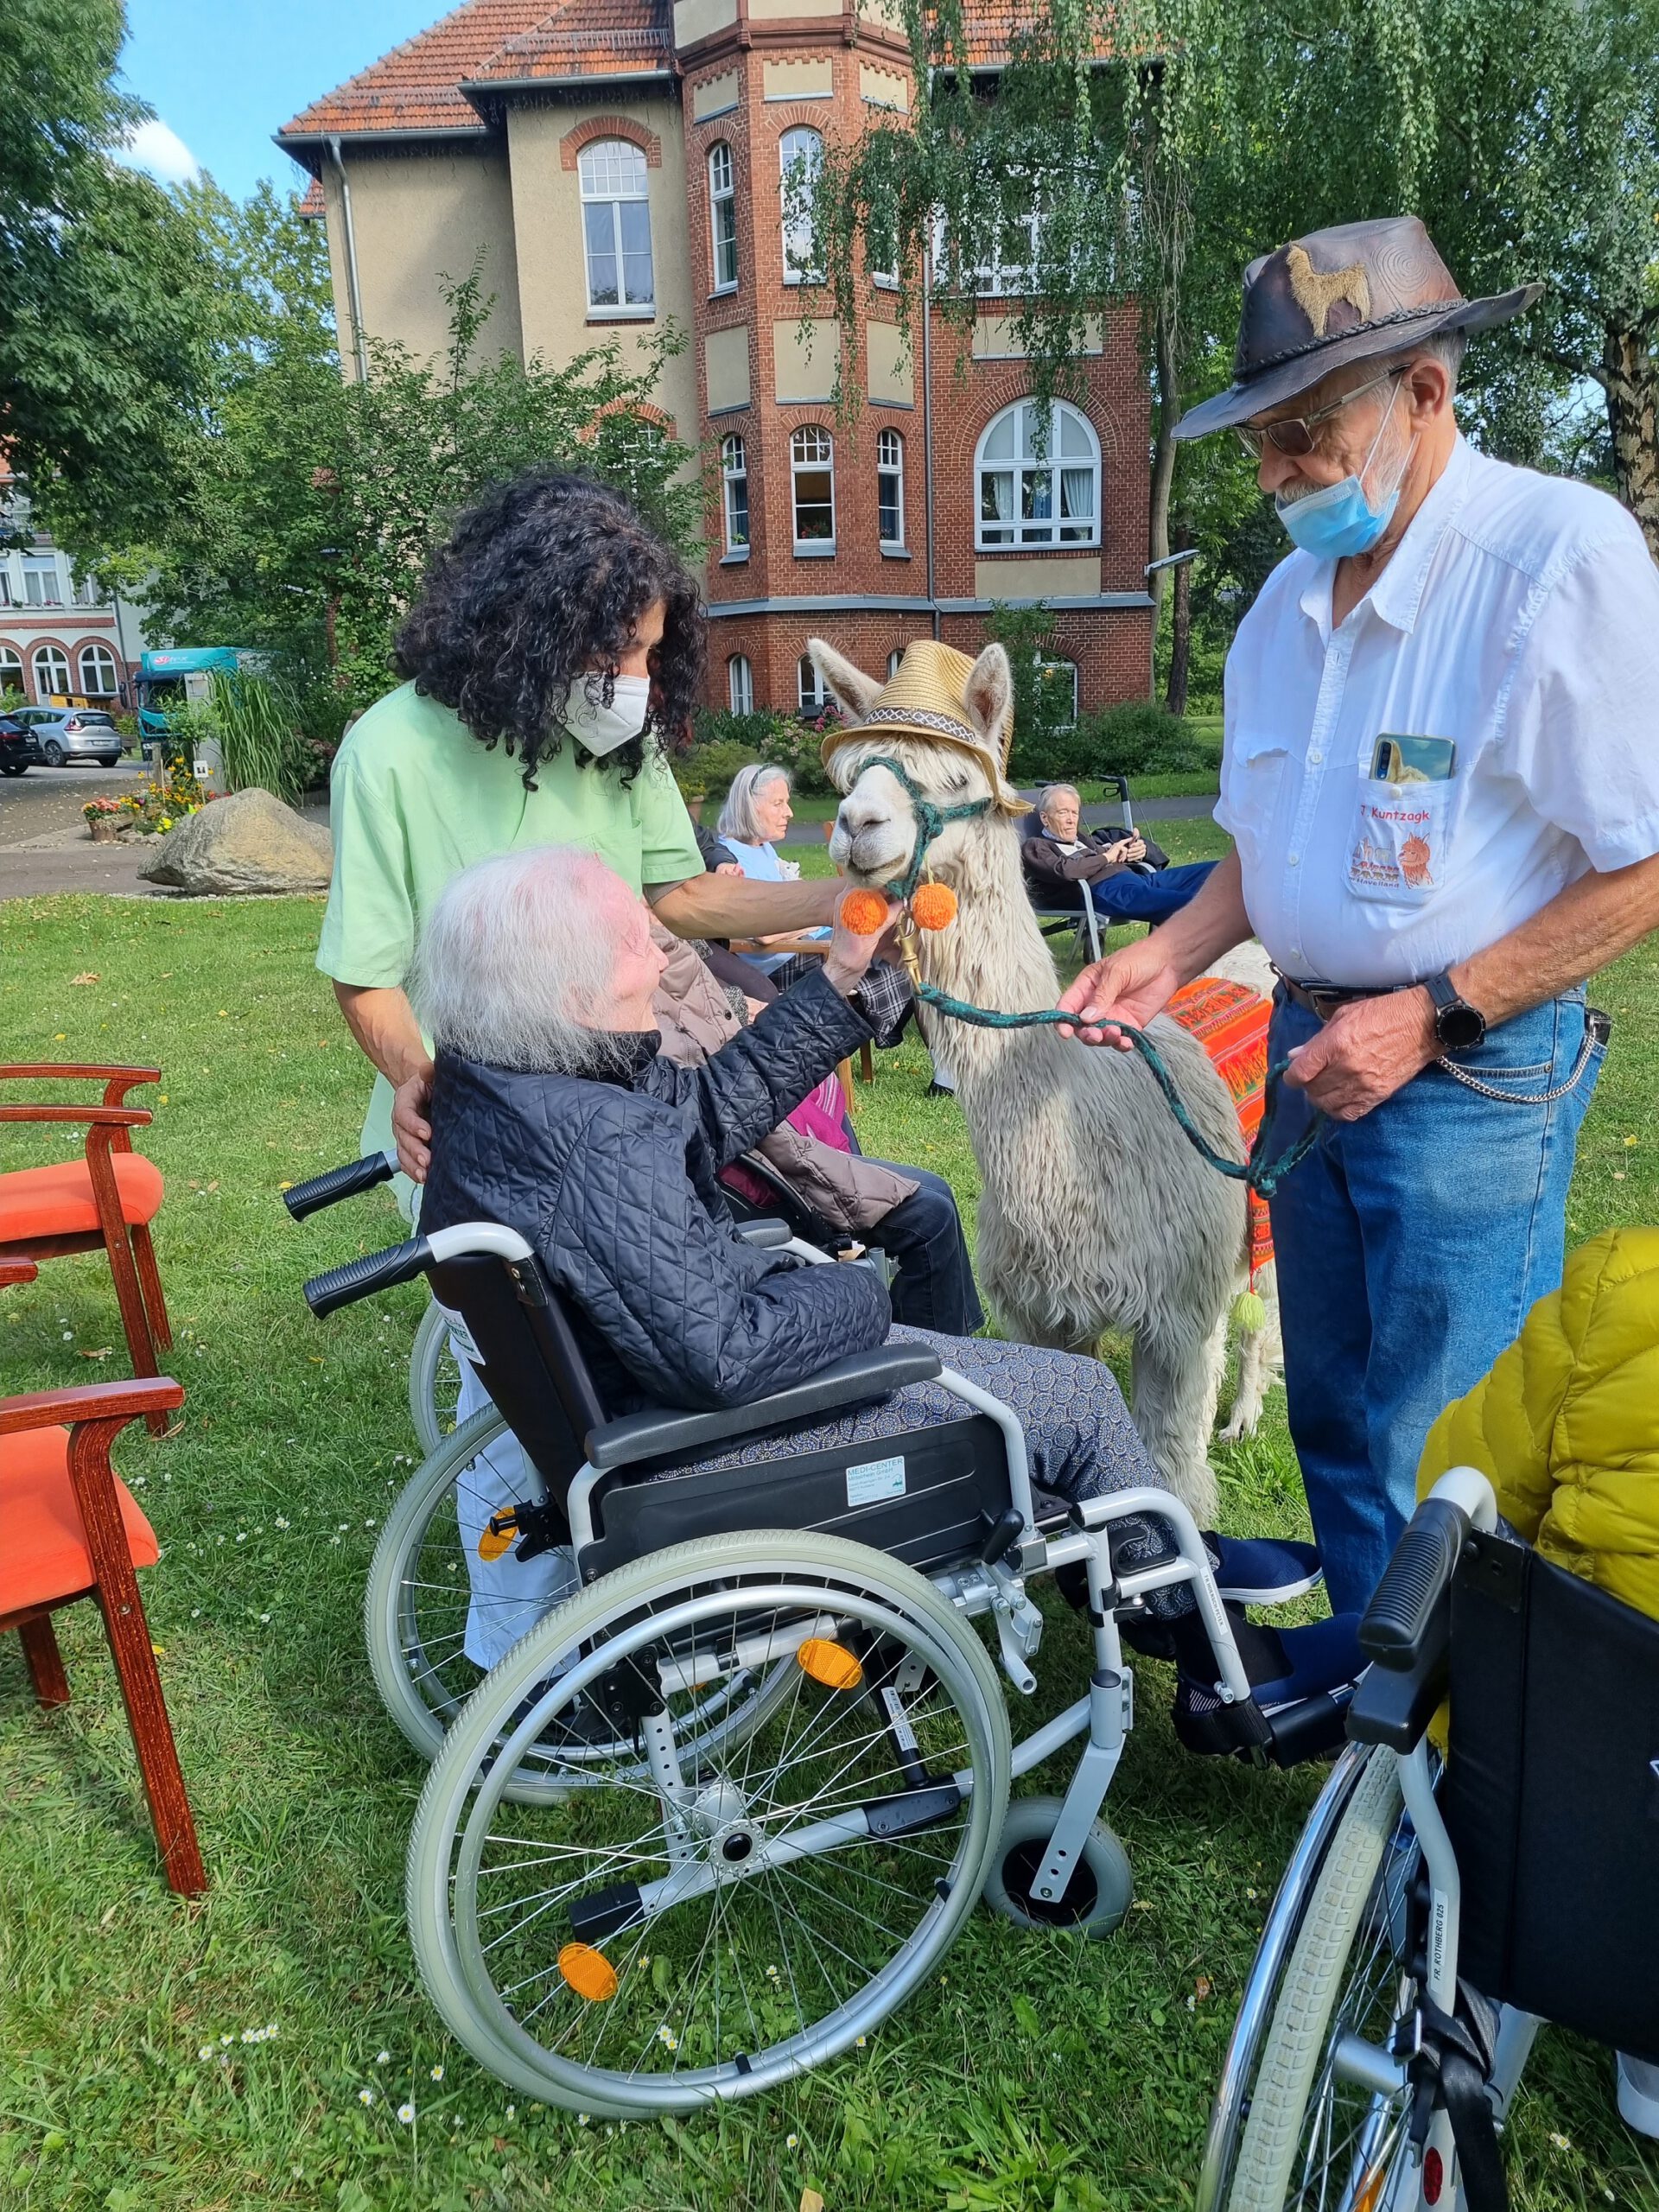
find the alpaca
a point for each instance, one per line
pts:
(1096, 1211)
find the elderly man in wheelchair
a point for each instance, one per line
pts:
(709, 1820)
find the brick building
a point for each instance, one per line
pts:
(63, 641)
(618, 163)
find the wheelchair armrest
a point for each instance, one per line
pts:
(852, 1381)
(1393, 1706)
(768, 1233)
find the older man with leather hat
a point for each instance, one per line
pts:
(1441, 777)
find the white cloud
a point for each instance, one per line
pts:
(155, 147)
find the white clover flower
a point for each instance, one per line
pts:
(406, 2114)
(381, 2056)
(281, 1523)
(265, 1617)
(513, 2112)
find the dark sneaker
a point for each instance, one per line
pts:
(1284, 1667)
(1262, 1570)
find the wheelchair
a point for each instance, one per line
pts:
(712, 1818)
(1434, 1913)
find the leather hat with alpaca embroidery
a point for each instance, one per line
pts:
(1351, 293)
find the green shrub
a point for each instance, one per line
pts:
(1141, 738)
(724, 743)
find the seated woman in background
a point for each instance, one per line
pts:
(752, 824)
(1062, 861)
(555, 1112)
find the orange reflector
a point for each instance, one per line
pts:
(493, 1544)
(1370, 2190)
(588, 1973)
(831, 1664)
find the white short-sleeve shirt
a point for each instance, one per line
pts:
(1519, 618)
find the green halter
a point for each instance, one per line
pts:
(1264, 1176)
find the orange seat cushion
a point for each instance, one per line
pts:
(58, 1201)
(44, 1555)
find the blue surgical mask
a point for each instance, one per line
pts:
(1339, 520)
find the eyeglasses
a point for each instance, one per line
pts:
(1295, 435)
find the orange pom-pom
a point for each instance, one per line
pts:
(934, 906)
(864, 912)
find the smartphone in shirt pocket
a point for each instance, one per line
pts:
(1400, 854)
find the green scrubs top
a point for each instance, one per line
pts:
(414, 798)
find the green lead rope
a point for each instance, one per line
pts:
(1262, 1176)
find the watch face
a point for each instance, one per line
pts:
(1459, 1027)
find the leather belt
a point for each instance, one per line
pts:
(1322, 999)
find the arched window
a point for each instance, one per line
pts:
(722, 217)
(800, 156)
(734, 475)
(616, 227)
(890, 487)
(808, 686)
(894, 660)
(1031, 497)
(812, 465)
(51, 673)
(739, 684)
(11, 669)
(98, 676)
(1059, 681)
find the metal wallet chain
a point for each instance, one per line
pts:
(1593, 1037)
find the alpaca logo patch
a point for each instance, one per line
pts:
(1393, 855)
(1316, 291)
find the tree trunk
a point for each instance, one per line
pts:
(1180, 629)
(1163, 448)
(1631, 378)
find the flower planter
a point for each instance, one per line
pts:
(106, 832)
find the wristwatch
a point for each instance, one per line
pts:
(1459, 1026)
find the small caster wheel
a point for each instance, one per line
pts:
(1098, 1894)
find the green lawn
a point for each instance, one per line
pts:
(1036, 2075)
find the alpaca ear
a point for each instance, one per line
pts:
(988, 697)
(854, 692)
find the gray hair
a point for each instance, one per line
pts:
(515, 958)
(1050, 792)
(1448, 349)
(737, 816)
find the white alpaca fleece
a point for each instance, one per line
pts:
(1096, 1213)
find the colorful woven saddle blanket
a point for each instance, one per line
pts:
(1231, 1021)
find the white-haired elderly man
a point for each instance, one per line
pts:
(1128, 877)
(1441, 773)
(553, 1111)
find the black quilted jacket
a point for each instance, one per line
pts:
(612, 1182)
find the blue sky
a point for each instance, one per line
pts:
(223, 75)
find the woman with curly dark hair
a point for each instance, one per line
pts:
(553, 656)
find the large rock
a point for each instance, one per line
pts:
(250, 842)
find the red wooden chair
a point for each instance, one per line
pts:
(72, 1530)
(104, 1201)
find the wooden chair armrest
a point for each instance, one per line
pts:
(89, 1402)
(111, 1117)
(13, 1271)
(116, 1081)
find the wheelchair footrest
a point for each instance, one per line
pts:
(912, 1809)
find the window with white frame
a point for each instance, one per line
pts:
(894, 660)
(1059, 681)
(11, 669)
(616, 227)
(51, 672)
(6, 598)
(734, 483)
(85, 592)
(722, 217)
(890, 487)
(42, 582)
(739, 684)
(808, 686)
(98, 676)
(800, 156)
(812, 467)
(1033, 490)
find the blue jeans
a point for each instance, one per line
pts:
(1132, 898)
(934, 1286)
(1410, 1246)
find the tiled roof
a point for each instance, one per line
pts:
(311, 202)
(620, 37)
(988, 29)
(417, 85)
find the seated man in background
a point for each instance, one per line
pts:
(1063, 859)
(555, 1112)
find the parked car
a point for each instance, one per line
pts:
(65, 734)
(16, 746)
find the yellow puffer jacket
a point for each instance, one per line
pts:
(1566, 1424)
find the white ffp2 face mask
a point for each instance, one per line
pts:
(603, 729)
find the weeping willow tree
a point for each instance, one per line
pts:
(1145, 150)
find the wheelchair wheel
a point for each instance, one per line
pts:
(434, 1380)
(719, 1917)
(1313, 2135)
(1096, 1898)
(415, 1612)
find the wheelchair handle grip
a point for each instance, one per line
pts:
(1400, 1618)
(359, 1278)
(340, 1183)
